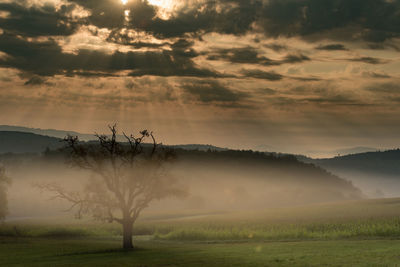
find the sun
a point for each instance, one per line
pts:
(165, 8)
(165, 4)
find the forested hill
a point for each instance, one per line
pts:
(385, 162)
(46, 132)
(376, 173)
(283, 178)
(21, 142)
(27, 142)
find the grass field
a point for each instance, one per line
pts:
(98, 252)
(365, 233)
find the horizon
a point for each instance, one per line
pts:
(339, 151)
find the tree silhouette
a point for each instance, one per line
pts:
(127, 177)
(4, 182)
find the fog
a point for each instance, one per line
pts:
(214, 182)
(373, 185)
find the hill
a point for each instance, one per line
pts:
(46, 132)
(20, 142)
(261, 179)
(28, 142)
(216, 179)
(376, 173)
(199, 147)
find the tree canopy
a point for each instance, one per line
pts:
(127, 177)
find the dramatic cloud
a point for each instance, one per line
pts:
(35, 80)
(272, 76)
(38, 20)
(371, 20)
(370, 60)
(47, 58)
(209, 91)
(215, 71)
(332, 47)
(249, 55)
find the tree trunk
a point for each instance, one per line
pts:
(127, 234)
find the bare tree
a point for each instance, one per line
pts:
(4, 182)
(126, 178)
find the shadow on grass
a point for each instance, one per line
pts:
(106, 251)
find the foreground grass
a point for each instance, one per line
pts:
(368, 219)
(96, 252)
(364, 233)
(361, 229)
(377, 228)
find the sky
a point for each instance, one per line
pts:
(299, 76)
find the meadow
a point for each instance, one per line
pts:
(365, 233)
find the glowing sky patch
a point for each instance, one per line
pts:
(166, 4)
(165, 7)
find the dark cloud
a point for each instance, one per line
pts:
(266, 91)
(276, 47)
(249, 55)
(47, 59)
(88, 74)
(38, 20)
(124, 38)
(295, 58)
(42, 58)
(372, 20)
(176, 68)
(387, 88)
(376, 75)
(210, 91)
(259, 74)
(332, 47)
(35, 80)
(334, 100)
(204, 18)
(382, 46)
(106, 13)
(369, 60)
(306, 79)
(183, 47)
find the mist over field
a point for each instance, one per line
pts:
(218, 181)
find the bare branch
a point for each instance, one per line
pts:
(127, 176)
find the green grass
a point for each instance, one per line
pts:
(366, 229)
(351, 220)
(366, 219)
(94, 252)
(219, 230)
(356, 233)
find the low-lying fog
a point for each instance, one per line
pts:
(215, 181)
